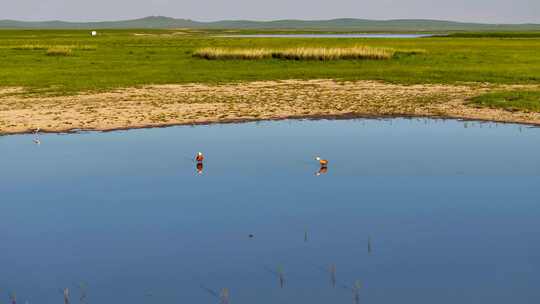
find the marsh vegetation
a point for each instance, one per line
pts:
(303, 53)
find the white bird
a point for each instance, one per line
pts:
(94, 33)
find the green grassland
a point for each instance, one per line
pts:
(121, 58)
(509, 100)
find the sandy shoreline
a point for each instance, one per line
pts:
(188, 104)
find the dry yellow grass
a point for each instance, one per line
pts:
(59, 51)
(30, 47)
(227, 53)
(301, 53)
(34, 47)
(357, 52)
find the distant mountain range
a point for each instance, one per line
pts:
(348, 24)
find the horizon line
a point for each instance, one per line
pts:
(266, 20)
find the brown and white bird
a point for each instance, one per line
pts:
(36, 137)
(199, 157)
(322, 162)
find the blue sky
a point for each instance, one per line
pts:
(491, 11)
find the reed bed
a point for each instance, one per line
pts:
(30, 47)
(357, 52)
(302, 53)
(59, 51)
(52, 48)
(226, 53)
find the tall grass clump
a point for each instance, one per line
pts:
(86, 47)
(357, 52)
(300, 53)
(59, 51)
(30, 47)
(223, 53)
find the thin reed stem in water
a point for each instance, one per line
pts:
(66, 295)
(83, 297)
(224, 296)
(13, 298)
(356, 292)
(281, 276)
(332, 271)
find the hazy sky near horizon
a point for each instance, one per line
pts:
(490, 11)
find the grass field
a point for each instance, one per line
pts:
(527, 101)
(124, 58)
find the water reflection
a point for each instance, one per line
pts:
(321, 171)
(199, 167)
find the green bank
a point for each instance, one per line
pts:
(124, 58)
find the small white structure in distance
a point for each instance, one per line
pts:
(94, 33)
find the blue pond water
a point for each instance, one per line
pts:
(383, 35)
(417, 211)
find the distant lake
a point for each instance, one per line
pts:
(332, 36)
(415, 210)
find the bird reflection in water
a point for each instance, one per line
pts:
(322, 170)
(200, 168)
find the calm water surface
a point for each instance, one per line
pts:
(332, 36)
(418, 211)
